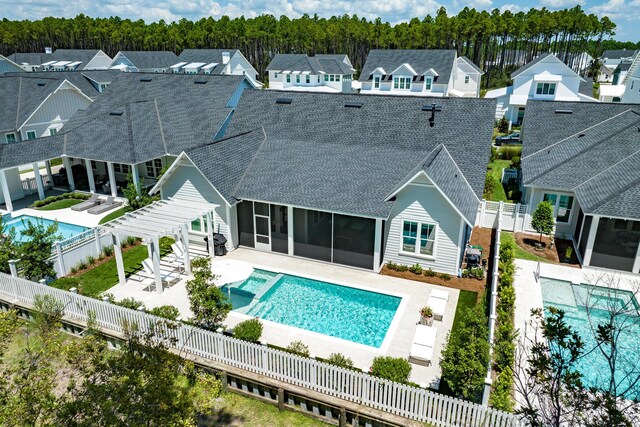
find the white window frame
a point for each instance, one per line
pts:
(376, 82)
(466, 79)
(153, 167)
(26, 134)
(556, 206)
(275, 75)
(203, 226)
(288, 78)
(297, 78)
(307, 79)
(416, 253)
(428, 80)
(402, 83)
(15, 137)
(53, 131)
(551, 85)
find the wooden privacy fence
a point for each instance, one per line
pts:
(399, 399)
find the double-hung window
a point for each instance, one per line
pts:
(546, 89)
(53, 131)
(288, 78)
(31, 134)
(376, 82)
(308, 79)
(10, 138)
(402, 83)
(562, 206)
(418, 238)
(326, 77)
(297, 78)
(428, 81)
(466, 79)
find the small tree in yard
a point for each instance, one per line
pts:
(7, 246)
(542, 220)
(503, 125)
(35, 251)
(137, 195)
(209, 304)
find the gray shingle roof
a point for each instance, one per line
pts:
(28, 152)
(530, 64)
(80, 79)
(442, 61)
(320, 154)
(586, 87)
(600, 163)
(471, 64)
(145, 60)
(207, 56)
(167, 115)
(619, 53)
(330, 64)
(84, 55)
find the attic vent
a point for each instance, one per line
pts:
(145, 79)
(283, 101)
(116, 113)
(564, 111)
(201, 82)
(581, 135)
(42, 83)
(353, 104)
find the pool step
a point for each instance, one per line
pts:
(264, 289)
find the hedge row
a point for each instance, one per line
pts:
(505, 337)
(51, 199)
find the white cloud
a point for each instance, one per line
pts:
(514, 8)
(561, 4)
(618, 10)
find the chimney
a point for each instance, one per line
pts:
(225, 57)
(48, 50)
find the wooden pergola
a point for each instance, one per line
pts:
(162, 218)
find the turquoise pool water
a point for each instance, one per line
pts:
(573, 300)
(19, 223)
(339, 311)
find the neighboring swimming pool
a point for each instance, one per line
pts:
(573, 299)
(352, 314)
(19, 224)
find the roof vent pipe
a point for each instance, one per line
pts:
(226, 56)
(48, 50)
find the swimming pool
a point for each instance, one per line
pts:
(19, 224)
(352, 314)
(573, 300)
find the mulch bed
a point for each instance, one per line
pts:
(480, 237)
(554, 254)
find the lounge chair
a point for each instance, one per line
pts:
(438, 303)
(178, 251)
(166, 276)
(424, 342)
(104, 207)
(93, 201)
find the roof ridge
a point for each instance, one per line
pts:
(19, 97)
(130, 131)
(251, 162)
(609, 167)
(164, 141)
(620, 191)
(444, 147)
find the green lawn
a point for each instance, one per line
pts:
(60, 204)
(113, 215)
(495, 169)
(467, 299)
(520, 253)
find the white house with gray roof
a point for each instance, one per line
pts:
(426, 72)
(227, 62)
(545, 78)
(8, 66)
(401, 190)
(63, 60)
(138, 61)
(319, 73)
(587, 164)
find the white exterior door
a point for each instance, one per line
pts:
(262, 226)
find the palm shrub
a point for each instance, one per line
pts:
(339, 359)
(390, 368)
(249, 330)
(299, 348)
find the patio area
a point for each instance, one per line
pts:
(400, 334)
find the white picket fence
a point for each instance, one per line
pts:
(29, 185)
(399, 399)
(514, 216)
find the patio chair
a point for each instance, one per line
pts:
(178, 250)
(166, 276)
(93, 201)
(438, 303)
(104, 207)
(424, 341)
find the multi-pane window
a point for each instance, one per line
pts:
(466, 79)
(10, 138)
(562, 206)
(53, 131)
(338, 77)
(428, 81)
(546, 89)
(288, 78)
(402, 83)
(31, 134)
(326, 77)
(376, 82)
(308, 79)
(298, 78)
(332, 78)
(94, 165)
(154, 167)
(418, 238)
(121, 168)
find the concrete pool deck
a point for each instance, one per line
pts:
(399, 336)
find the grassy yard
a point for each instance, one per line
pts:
(60, 204)
(495, 170)
(520, 253)
(113, 215)
(467, 299)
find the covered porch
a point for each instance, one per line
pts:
(166, 218)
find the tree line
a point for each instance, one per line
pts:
(493, 40)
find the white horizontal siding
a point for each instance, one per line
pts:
(426, 204)
(55, 111)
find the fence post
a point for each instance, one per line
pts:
(96, 236)
(516, 215)
(483, 205)
(13, 267)
(63, 270)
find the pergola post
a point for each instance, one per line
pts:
(212, 253)
(39, 184)
(377, 242)
(67, 166)
(136, 178)
(112, 179)
(117, 250)
(155, 251)
(5, 191)
(185, 247)
(92, 182)
(47, 164)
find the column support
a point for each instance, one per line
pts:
(117, 250)
(92, 182)
(112, 179)
(47, 164)
(212, 253)
(39, 184)
(185, 248)
(377, 242)
(586, 259)
(636, 263)
(290, 242)
(155, 245)
(136, 178)
(67, 166)
(5, 190)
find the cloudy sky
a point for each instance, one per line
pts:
(625, 13)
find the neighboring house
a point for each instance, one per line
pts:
(8, 66)
(584, 158)
(632, 83)
(620, 73)
(545, 78)
(319, 73)
(580, 62)
(228, 62)
(611, 58)
(427, 72)
(137, 127)
(606, 74)
(63, 60)
(158, 61)
(91, 83)
(399, 190)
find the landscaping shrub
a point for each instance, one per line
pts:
(391, 368)
(494, 154)
(299, 348)
(508, 153)
(490, 183)
(503, 125)
(501, 392)
(51, 199)
(392, 266)
(66, 283)
(131, 303)
(82, 265)
(249, 330)
(167, 311)
(516, 162)
(91, 260)
(445, 276)
(429, 272)
(340, 360)
(416, 269)
(107, 251)
(402, 267)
